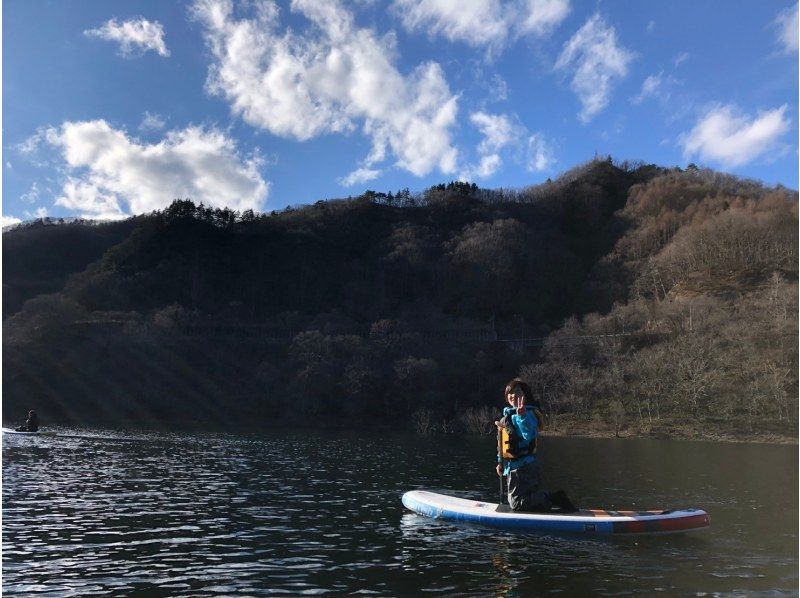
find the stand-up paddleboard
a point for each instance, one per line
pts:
(593, 521)
(39, 433)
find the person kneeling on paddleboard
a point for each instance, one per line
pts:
(31, 424)
(518, 429)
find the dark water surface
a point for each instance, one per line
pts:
(155, 514)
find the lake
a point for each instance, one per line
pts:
(95, 512)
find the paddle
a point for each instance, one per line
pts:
(502, 466)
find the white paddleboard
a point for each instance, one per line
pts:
(39, 433)
(593, 521)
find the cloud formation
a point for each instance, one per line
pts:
(497, 131)
(331, 80)
(9, 221)
(358, 176)
(135, 36)
(30, 146)
(31, 196)
(540, 155)
(596, 59)
(502, 134)
(726, 136)
(41, 212)
(650, 87)
(151, 122)
(787, 25)
(111, 175)
(481, 22)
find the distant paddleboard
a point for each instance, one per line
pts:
(39, 433)
(591, 521)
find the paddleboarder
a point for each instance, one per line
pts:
(519, 429)
(31, 424)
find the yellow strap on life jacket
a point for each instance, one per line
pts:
(505, 443)
(505, 440)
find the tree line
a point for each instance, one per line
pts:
(697, 268)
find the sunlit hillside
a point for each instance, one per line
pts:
(635, 299)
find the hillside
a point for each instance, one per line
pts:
(667, 299)
(41, 255)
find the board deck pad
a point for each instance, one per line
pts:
(596, 521)
(503, 508)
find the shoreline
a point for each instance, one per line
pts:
(750, 438)
(563, 429)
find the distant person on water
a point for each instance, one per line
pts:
(519, 429)
(31, 424)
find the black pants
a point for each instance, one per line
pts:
(524, 491)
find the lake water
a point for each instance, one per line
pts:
(198, 514)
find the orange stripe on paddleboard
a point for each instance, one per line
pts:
(662, 525)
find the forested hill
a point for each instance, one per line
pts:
(634, 298)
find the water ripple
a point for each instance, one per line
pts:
(92, 512)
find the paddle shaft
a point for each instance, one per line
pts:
(502, 466)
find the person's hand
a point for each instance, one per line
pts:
(499, 470)
(521, 410)
(498, 424)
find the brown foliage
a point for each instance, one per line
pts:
(710, 333)
(478, 420)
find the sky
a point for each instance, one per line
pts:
(118, 108)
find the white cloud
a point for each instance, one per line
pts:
(498, 89)
(650, 87)
(32, 195)
(481, 22)
(477, 23)
(9, 221)
(681, 58)
(542, 16)
(488, 166)
(503, 135)
(151, 122)
(726, 136)
(787, 25)
(31, 145)
(540, 155)
(40, 212)
(358, 176)
(336, 76)
(497, 131)
(135, 37)
(91, 200)
(112, 174)
(651, 26)
(8, 165)
(30, 148)
(596, 60)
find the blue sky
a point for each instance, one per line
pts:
(116, 108)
